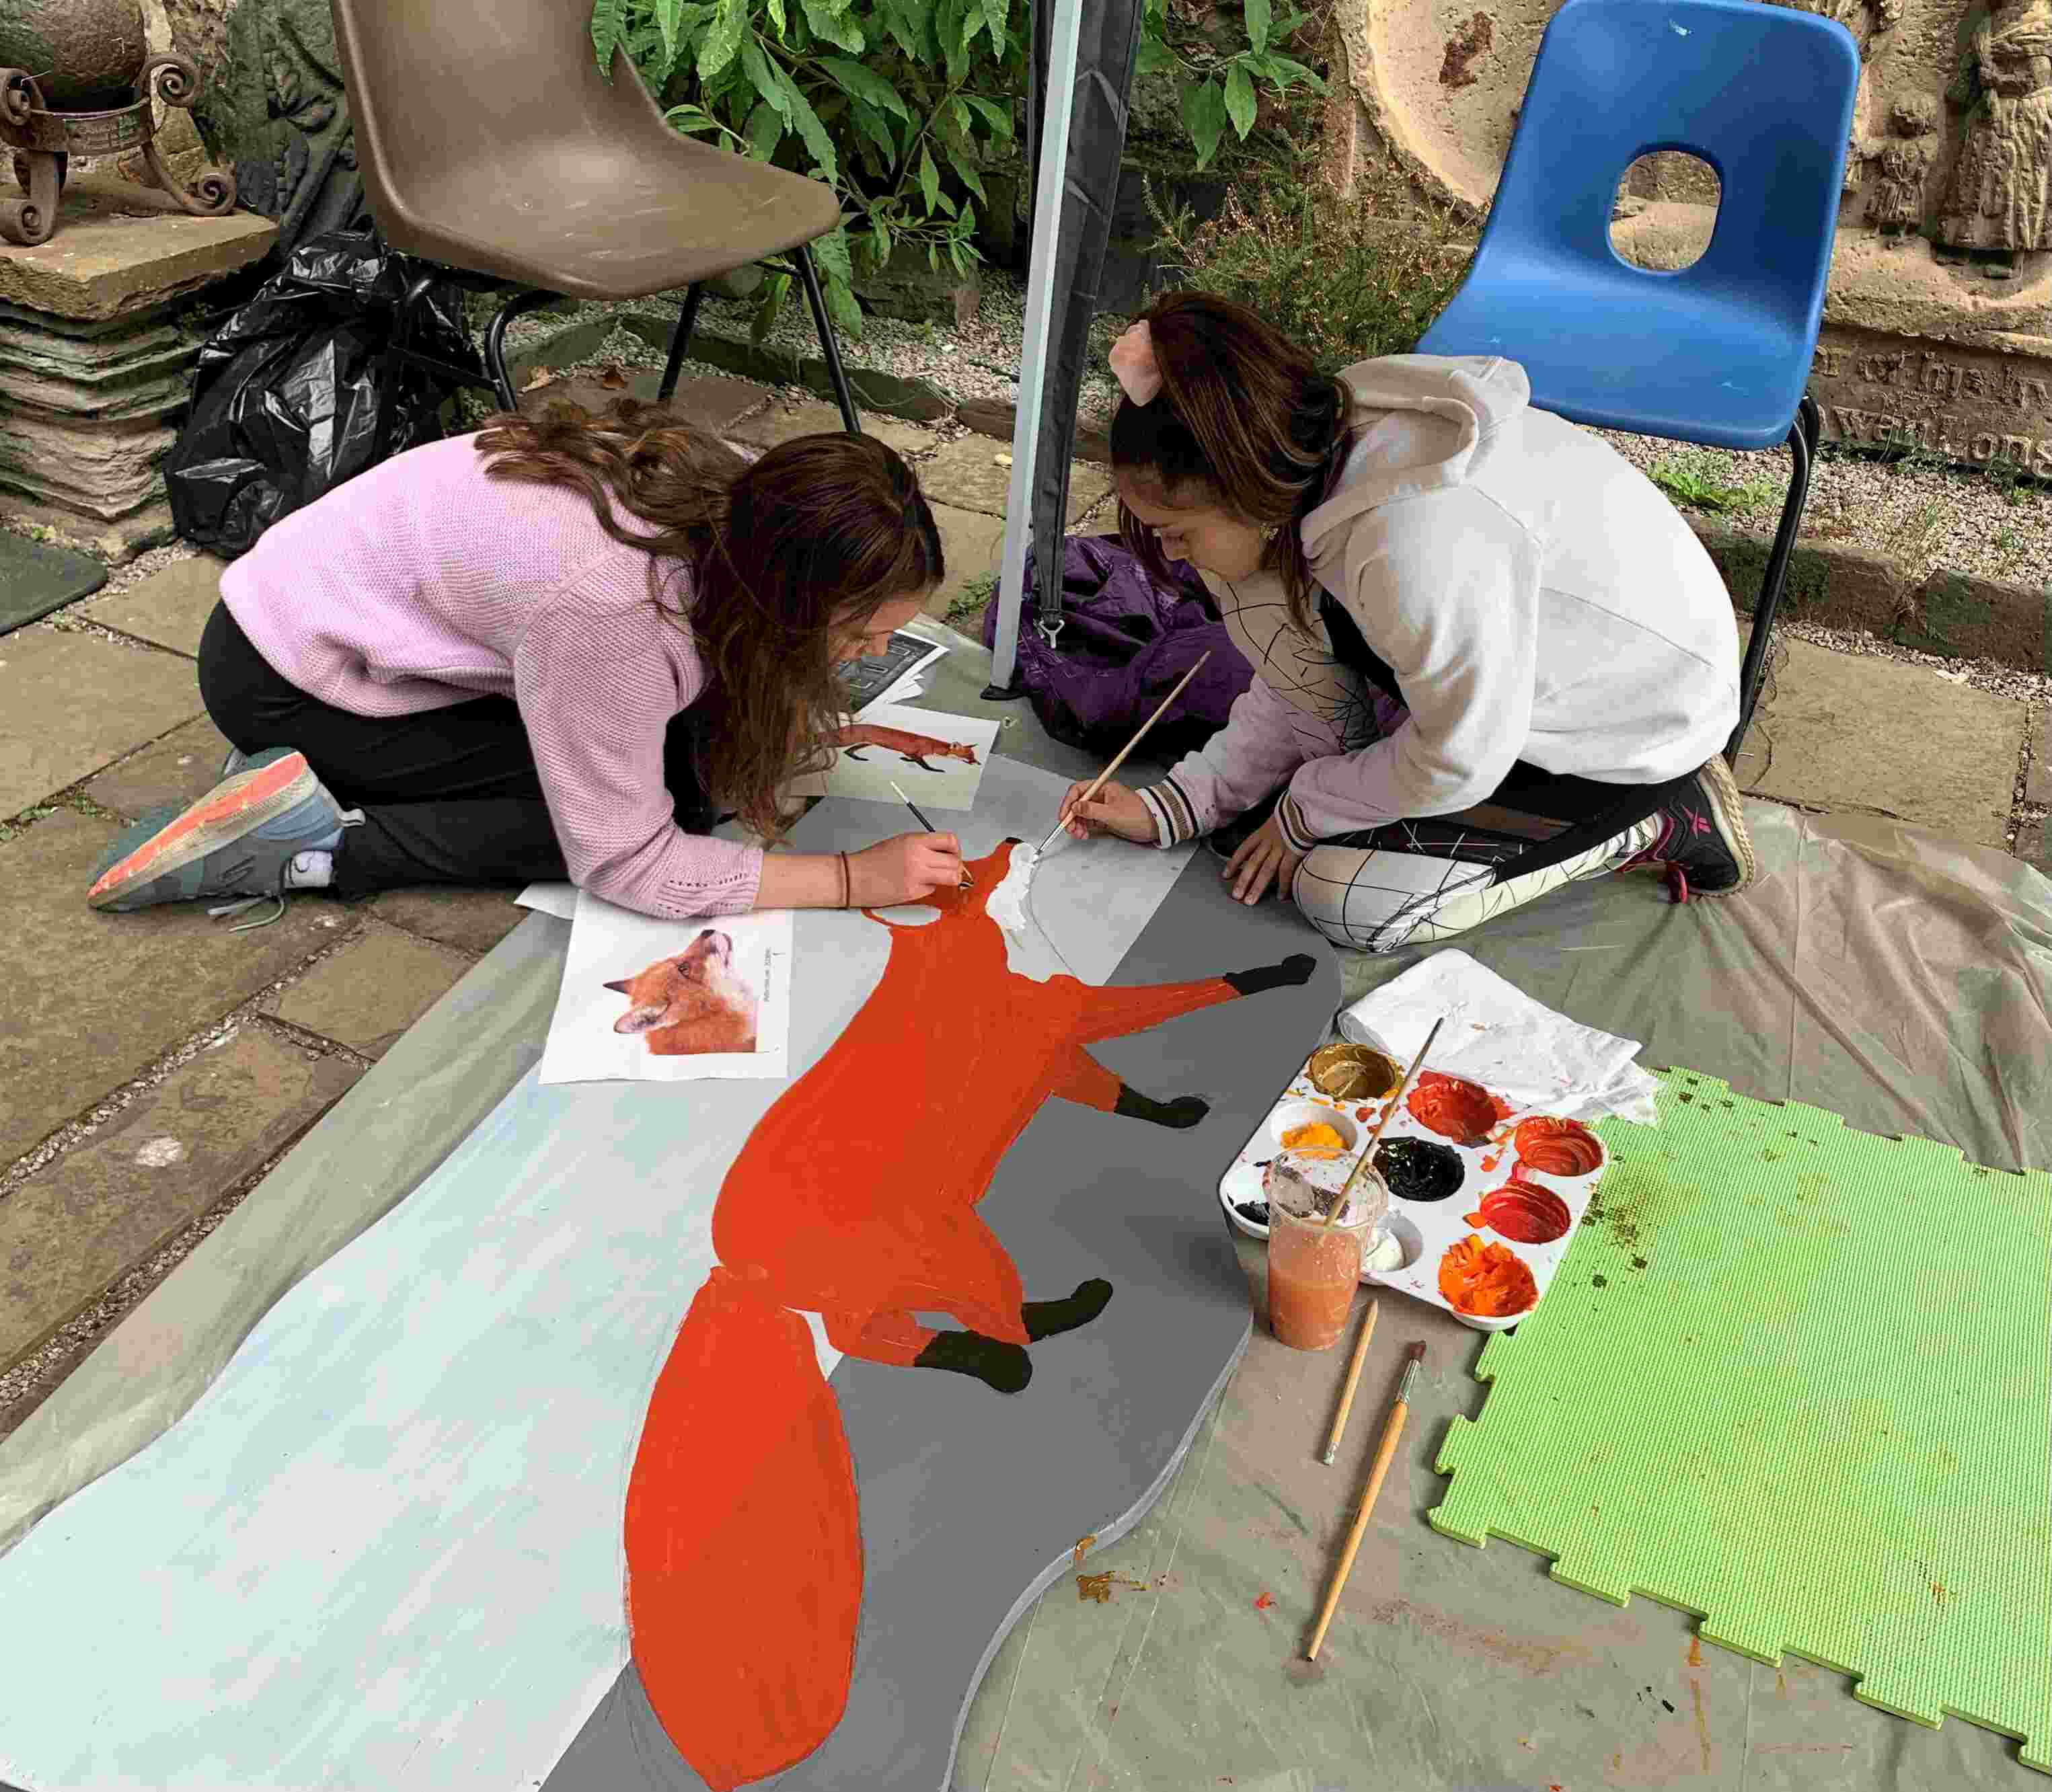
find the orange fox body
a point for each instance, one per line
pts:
(692, 1003)
(854, 1197)
(917, 748)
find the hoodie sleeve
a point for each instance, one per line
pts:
(1445, 597)
(1264, 740)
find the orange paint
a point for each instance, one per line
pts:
(1455, 1109)
(742, 1534)
(1264, 1602)
(1695, 1652)
(1483, 1277)
(1523, 1212)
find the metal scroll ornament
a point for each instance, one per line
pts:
(44, 139)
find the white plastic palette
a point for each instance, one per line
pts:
(1425, 1229)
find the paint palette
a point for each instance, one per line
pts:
(1484, 1198)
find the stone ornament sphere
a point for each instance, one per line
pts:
(85, 55)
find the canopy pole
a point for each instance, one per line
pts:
(1052, 171)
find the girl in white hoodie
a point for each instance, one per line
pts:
(1490, 658)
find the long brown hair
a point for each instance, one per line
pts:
(775, 561)
(1243, 418)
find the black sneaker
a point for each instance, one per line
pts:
(1703, 848)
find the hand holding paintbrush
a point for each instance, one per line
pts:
(967, 882)
(1070, 810)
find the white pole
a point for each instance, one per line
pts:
(1047, 196)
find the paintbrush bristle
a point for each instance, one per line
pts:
(1416, 1352)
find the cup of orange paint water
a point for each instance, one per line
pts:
(1313, 1267)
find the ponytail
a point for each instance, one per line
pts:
(1244, 417)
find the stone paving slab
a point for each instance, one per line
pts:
(91, 998)
(36, 578)
(713, 402)
(2038, 786)
(967, 473)
(472, 921)
(168, 608)
(782, 421)
(371, 991)
(974, 544)
(2034, 846)
(180, 768)
(72, 703)
(1839, 730)
(72, 1231)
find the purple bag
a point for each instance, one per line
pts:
(1124, 641)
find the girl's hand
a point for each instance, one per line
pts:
(903, 869)
(1264, 857)
(1114, 810)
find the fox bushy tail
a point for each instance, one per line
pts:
(743, 1540)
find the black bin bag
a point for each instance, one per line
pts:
(294, 395)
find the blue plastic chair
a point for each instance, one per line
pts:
(1719, 352)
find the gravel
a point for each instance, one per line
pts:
(1932, 516)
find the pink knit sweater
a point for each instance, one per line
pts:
(422, 583)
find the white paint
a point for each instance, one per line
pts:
(159, 1153)
(383, 1551)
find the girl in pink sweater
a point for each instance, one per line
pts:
(561, 648)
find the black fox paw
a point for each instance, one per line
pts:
(1002, 1367)
(1045, 1319)
(1295, 969)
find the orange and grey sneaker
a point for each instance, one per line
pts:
(1702, 848)
(270, 827)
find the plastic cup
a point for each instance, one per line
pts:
(1313, 1270)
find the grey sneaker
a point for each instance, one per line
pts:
(238, 840)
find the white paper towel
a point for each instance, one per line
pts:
(1497, 1036)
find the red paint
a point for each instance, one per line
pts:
(1558, 1147)
(1264, 1602)
(855, 1197)
(1523, 1212)
(1455, 1109)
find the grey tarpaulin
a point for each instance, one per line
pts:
(1900, 979)
(1082, 68)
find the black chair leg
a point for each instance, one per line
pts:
(1803, 438)
(828, 347)
(494, 343)
(679, 340)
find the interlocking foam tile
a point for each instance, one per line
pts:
(1793, 1378)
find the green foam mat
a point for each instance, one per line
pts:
(1793, 1378)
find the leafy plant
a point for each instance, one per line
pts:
(1220, 88)
(1349, 278)
(1698, 480)
(899, 105)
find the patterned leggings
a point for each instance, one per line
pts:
(1416, 881)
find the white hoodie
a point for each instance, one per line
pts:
(1535, 596)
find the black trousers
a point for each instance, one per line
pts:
(449, 796)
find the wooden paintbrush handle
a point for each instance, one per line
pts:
(1104, 776)
(1353, 1380)
(1384, 1456)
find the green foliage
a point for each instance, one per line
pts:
(899, 105)
(1349, 278)
(1697, 479)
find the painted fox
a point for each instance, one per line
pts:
(854, 1197)
(692, 1003)
(916, 749)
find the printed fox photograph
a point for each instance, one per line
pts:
(695, 1002)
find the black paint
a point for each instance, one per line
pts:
(1419, 1169)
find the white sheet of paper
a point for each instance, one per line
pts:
(557, 899)
(610, 944)
(932, 779)
(896, 677)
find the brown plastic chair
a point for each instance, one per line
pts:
(490, 143)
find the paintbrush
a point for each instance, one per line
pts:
(1130, 745)
(1352, 1381)
(1396, 1100)
(1386, 1454)
(967, 882)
